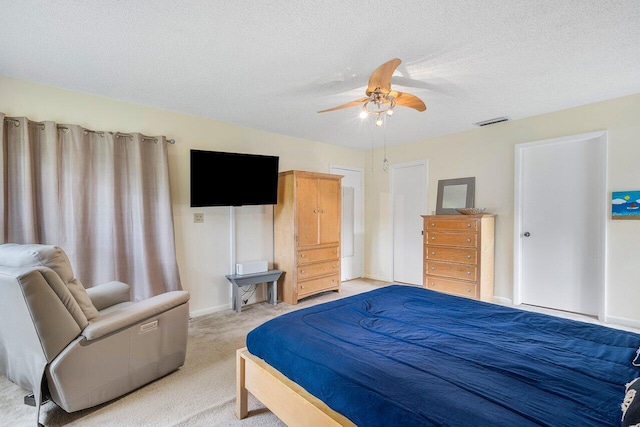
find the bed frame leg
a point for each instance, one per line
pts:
(241, 391)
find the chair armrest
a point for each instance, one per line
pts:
(134, 313)
(108, 294)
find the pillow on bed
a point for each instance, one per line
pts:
(631, 404)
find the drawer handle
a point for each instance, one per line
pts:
(433, 284)
(433, 253)
(468, 256)
(468, 290)
(315, 211)
(468, 273)
(433, 238)
(468, 225)
(432, 224)
(301, 286)
(468, 240)
(301, 271)
(301, 255)
(335, 251)
(322, 210)
(433, 268)
(333, 280)
(334, 266)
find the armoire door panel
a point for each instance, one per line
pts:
(308, 212)
(329, 196)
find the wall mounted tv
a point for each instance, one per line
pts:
(233, 179)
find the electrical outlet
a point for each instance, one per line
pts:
(198, 217)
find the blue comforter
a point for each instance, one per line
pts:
(406, 356)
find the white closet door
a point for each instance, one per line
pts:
(352, 231)
(409, 195)
(561, 224)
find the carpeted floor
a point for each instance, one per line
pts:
(202, 392)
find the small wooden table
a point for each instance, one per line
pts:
(239, 280)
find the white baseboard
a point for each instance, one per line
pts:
(205, 311)
(502, 300)
(623, 321)
(374, 277)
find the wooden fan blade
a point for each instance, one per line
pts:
(350, 104)
(408, 100)
(381, 77)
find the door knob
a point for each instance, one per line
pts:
(527, 234)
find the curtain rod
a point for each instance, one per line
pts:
(65, 129)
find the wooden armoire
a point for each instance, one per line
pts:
(307, 233)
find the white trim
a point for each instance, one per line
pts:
(353, 169)
(210, 310)
(363, 209)
(622, 321)
(349, 168)
(502, 300)
(380, 278)
(517, 226)
(517, 213)
(603, 312)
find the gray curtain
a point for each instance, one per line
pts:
(101, 196)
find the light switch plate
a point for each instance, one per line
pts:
(198, 217)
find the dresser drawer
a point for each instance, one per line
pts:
(320, 254)
(451, 239)
(452, 287)
(437, 253)
(452, 224)
(319, 269)
(455, 271)
(318, 285)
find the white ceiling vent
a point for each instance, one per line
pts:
(492, 121)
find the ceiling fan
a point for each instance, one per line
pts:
(380, 98)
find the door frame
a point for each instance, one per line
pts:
(393, 168)
(361, 208)
(601, 136)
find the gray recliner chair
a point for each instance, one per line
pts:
(82, 347)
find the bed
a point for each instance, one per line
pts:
(402, 355)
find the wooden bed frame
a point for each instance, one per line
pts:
(285, 398)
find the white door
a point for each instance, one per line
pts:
(560, 229)
(409, 195)
(352, 232)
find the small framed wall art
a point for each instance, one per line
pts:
(625, 205)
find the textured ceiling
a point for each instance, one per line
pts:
(272, 65)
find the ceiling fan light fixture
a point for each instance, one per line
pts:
(379, 96)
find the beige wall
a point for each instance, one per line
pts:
(202, 249)
(488, 154)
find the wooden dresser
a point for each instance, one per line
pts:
(307, 233)
(458, 254)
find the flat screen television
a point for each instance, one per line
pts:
(233, 179)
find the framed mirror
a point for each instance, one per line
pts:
(455, 193)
